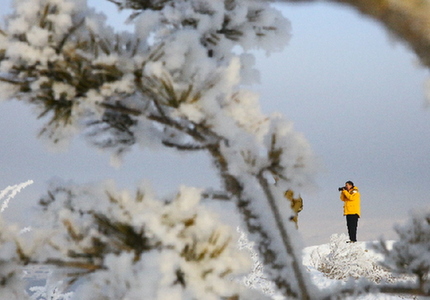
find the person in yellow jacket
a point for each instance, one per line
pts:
(296, 205)
(350, 196)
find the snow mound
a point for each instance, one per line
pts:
(341, 260)
(336, 262)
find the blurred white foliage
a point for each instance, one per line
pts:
(140, 245)
(410, 254)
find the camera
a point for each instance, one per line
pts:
(341, 188)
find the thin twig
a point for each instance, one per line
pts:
(286, 241)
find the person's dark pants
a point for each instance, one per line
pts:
(351, 223)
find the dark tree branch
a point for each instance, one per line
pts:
(254, 226)
(408, 20)
(67, 35)
(118, 107)
(184, 147)
(217, 195)
(286, 240)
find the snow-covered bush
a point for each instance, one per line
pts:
(345, 260)
(410, 255)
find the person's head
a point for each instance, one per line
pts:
(349, 185)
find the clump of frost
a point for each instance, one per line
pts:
(8, 90)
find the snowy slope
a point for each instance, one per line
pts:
(313, 255)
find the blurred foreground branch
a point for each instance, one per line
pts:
(408, 20)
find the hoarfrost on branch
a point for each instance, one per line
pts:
(176, 81)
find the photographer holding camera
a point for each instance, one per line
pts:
(350, 196)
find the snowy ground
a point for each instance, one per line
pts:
(311, 254)
(340, 259)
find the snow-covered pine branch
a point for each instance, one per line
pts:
(410, 255)
(134, 244)
(175, 81)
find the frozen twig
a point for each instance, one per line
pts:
(11, 192)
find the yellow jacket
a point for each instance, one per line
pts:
(351, 201)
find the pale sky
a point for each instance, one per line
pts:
(355, 93)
